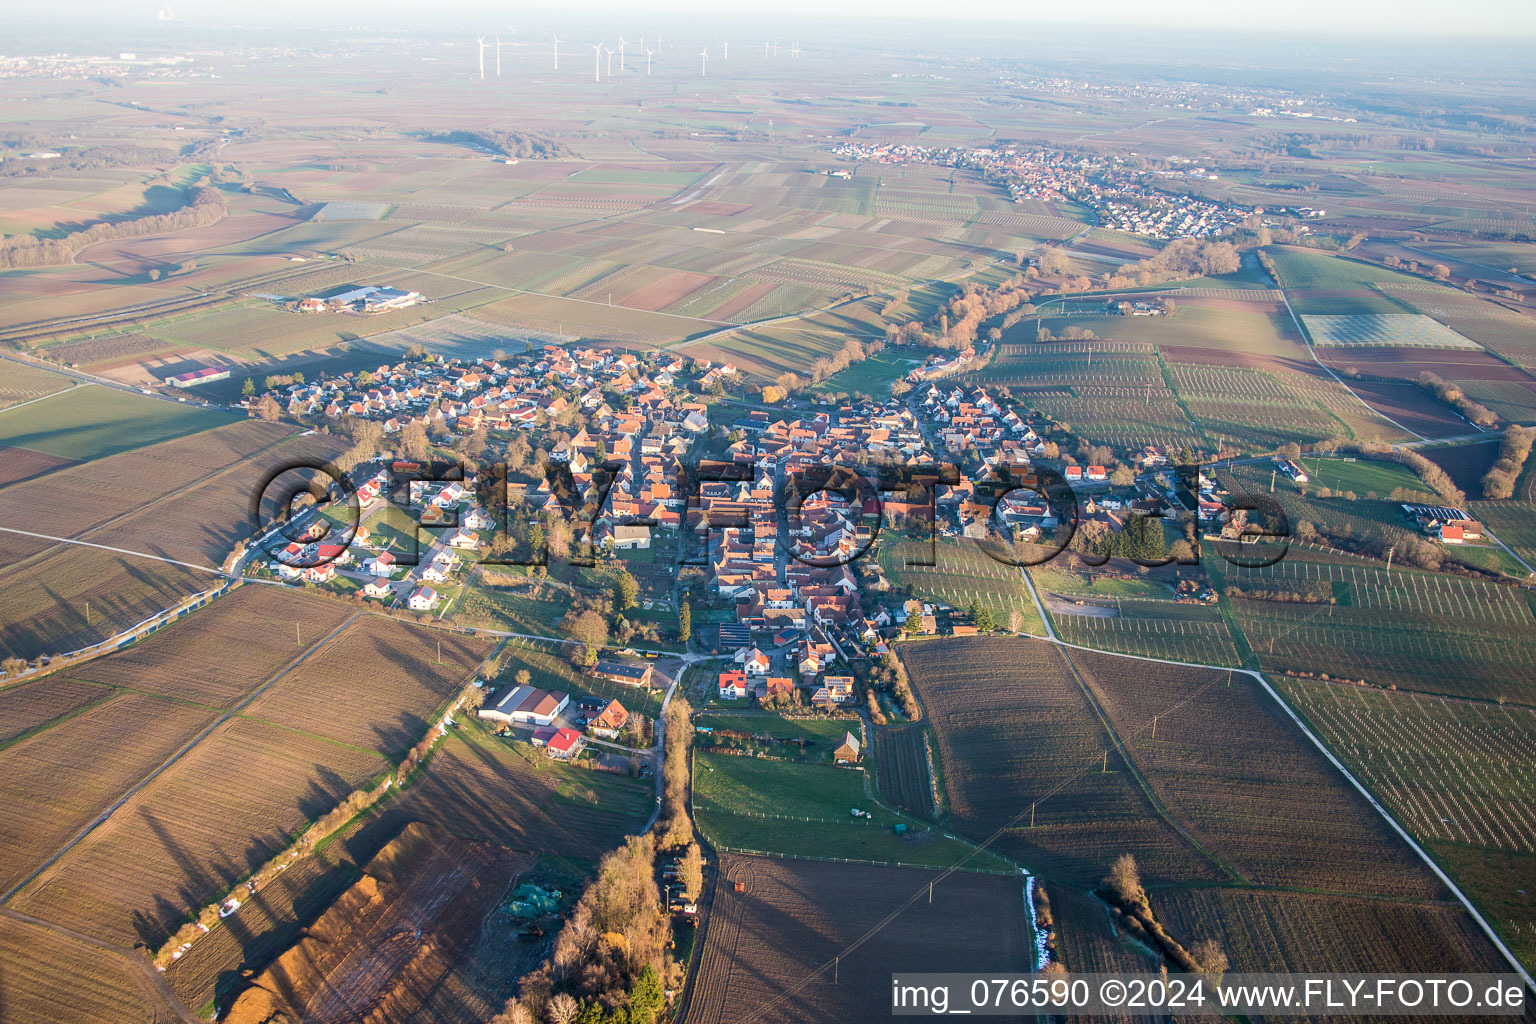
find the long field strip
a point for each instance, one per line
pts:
(776, 926)
(1419, 631)
(329, 723)
(1455, 770)
(191, 661)
(57, 781)
(1017, 740)
(1154, 629)
(1251, 408)
(1269, 931)
(411, 671)
(231, 803)
(1228, 765)
(93, 422)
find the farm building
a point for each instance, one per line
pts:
(628, 537)
(192, 378)
(628, 673)
(527, 705)
(849, 750)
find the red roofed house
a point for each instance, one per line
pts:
(733, 684)
(564, 745)
(1097, 473)
(609, 721)
(1073, 472)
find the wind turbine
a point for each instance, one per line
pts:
(725, 51)
(498, 54)
(648, 55)
(795, 51)
(610, 60)
(557, 49)
(481, 41)
(597, 54)
(765, 49)
(703, 61)
(622, 44)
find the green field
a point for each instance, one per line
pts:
(93, 422)
(1368, 478)
(872, 376)
(803, 810)
(822, 735)
(1319, 283)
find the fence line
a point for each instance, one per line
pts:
(858, 860)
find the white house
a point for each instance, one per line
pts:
(423, 599)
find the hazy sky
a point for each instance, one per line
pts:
(1502, 18)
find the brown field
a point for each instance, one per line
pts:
(45, 976)
(1466, 464)
(59, 780)
(17, 464)
(28, 706)
(742, 301)
(115, 350)
(191, 660)
(1013, 728)
(267, 923)
(480, 788)
(668, 290)
(1229, 765)
(768, 951)
(71, 501)
(21, 382)
(1408, 363)
(1411, 406)
(43, 610)
(375, 685)
(201, 523)
(474, 787)
(390, 940)
(1271, 931)
(903, 761)
(232, 802)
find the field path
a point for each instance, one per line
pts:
(152, 982)
(46, 867)
(118, 551)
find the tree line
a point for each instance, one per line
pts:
(205, 206)
(1499, 481)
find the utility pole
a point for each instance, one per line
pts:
(1103, 768)
(296, 637)
(1154, 727)
(1031, 815)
